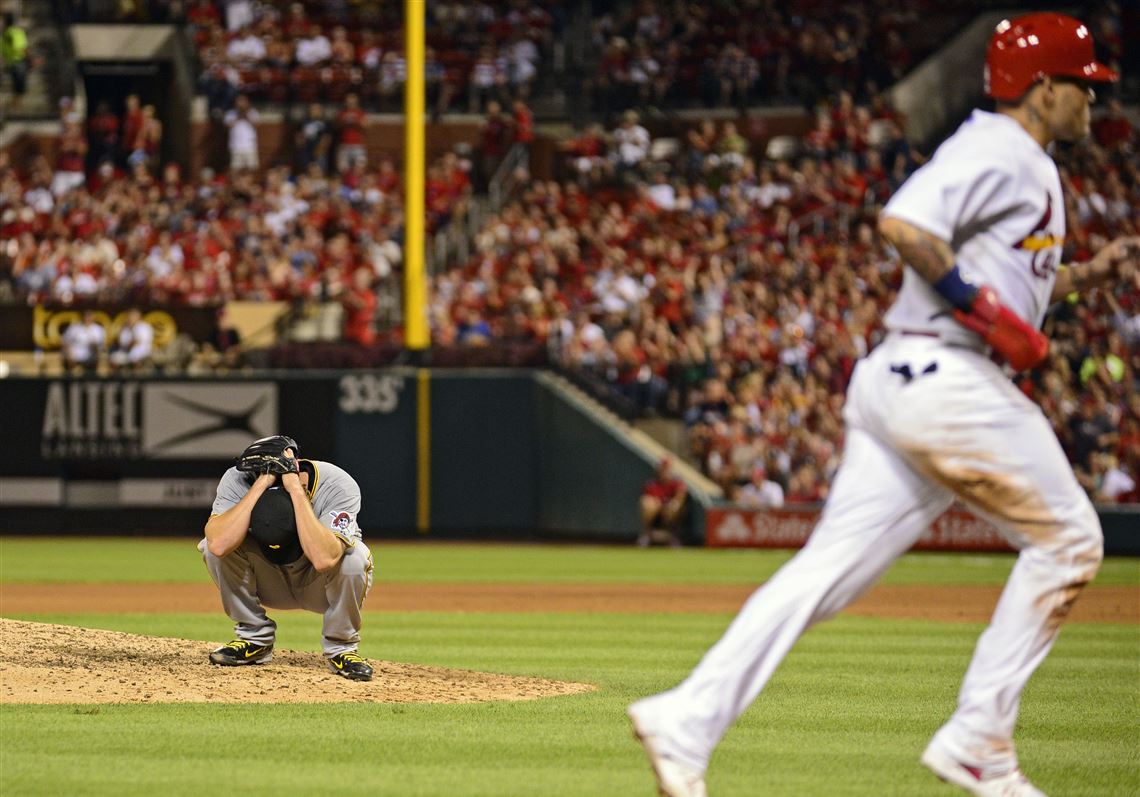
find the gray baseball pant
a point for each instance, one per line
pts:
(249, 583)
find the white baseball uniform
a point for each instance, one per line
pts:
(929, 417)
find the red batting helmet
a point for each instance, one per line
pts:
(1025, 49)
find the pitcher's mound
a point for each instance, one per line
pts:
(42, 663)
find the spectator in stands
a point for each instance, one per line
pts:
(393, 76)
(223, 350)
(1110, 479)
(313, 141)
(473, 329)
(1113, 127)
(760, 492)
(15, 58)
(70, 160)
(135, 344)
(360, 308)
(589, 154)
(313, 49)
(83, 343)
(246, 49)
(220, 85)
(521, 70)
(437, 89)
(734, 76)
(523, 124)
(368, 51)
(201, 16)
(488, 81)
(341, 50)
(103, 134)
(631, 142)
(132, 123)
(495, 139)
(243, 143)
(350, 134)
(663, 505)
(148, 139)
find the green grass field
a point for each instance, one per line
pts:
(847, 714)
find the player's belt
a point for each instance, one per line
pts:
(952, 342)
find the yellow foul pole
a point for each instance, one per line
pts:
(416, 334)
(415, 293)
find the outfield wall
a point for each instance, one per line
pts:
(506, 452)
(454, 452)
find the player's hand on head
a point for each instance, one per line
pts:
(265, 481)
(292, 482)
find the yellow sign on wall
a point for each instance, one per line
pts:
(48, 325)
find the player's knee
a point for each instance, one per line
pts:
(1079, 545)
(1088, 540)
(354, 563)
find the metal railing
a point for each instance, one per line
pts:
(506, 178)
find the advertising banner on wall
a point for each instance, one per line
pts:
(727, 527)
(42, 326)
(107, 427)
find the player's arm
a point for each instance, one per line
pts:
(976, 307)
(322, 548)
(227, 530)
(926, 253)
(1116, 262)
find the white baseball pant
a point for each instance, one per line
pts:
(925, 423)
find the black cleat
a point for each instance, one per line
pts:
(240, 652)
(351, 666)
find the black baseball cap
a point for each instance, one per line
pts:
(274, 526)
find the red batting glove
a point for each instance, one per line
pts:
(1020, 344)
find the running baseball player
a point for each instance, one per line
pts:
(283, 534)
(931, 417)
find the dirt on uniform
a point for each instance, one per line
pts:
(41, 663)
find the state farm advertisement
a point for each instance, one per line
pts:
(956, 530)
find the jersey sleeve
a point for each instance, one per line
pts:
(231, 489)
(954, 192)
(337, 504)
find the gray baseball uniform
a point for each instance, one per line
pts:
(249, 582)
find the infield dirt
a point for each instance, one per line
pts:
(43, 663)
(973, 604)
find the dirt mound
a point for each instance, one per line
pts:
(42, 663)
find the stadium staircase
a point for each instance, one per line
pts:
(55, 70)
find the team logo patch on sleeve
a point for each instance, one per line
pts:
(341, 521)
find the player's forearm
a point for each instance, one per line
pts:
(322, 548)
(1070, 279)
(225, 532)
(1115, 262)
(927, 254)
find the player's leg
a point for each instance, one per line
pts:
(338, 596)
(1021, 480)
(239, 587)
(650, 511)
(877, 509)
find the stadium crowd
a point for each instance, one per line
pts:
(303, 52)
(703, 280)
(739, 293)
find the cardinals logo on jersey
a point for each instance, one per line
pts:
(1043, 246)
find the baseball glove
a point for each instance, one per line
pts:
(267, 455)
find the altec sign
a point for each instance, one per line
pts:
(955, 530)
(154, 420)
